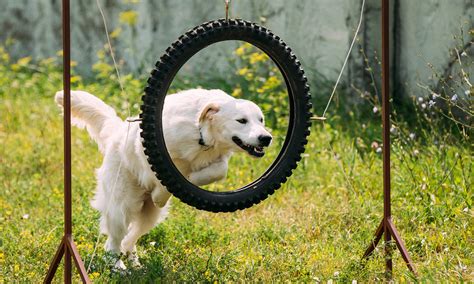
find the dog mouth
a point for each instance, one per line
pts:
(256, 151)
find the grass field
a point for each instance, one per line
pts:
(315, 228)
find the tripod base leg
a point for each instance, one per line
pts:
(400, 245)
(55, 263)
(78, 261)
(392, 231)
(68, 249)
(377, 236)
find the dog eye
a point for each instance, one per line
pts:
(242, 121)
(261, 119)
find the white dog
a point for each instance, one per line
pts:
(202, 129)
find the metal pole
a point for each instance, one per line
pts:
(386, 129)
(386, 227)
(67, 135)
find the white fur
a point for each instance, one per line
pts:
(129, 196)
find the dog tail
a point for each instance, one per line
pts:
(88, 111)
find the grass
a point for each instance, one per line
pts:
(315, 228)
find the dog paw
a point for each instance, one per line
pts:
(115, 262)
(134, 260)
(119, 266)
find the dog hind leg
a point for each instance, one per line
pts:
(142, 223)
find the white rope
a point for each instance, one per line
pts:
(347, 58)
(323, 117)
(112, 54)
(128, 126)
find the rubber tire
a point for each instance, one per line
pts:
(162, 76)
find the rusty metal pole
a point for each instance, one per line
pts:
(67, 248)
(67, 135)
(386, 227)
(387, 214)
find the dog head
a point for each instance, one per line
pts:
(238, 125)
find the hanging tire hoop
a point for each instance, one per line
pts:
(152, 106)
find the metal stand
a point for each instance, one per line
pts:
(67, 248)
(386, 227)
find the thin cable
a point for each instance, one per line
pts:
(347, 58)
(128, 126)
(112, 54)
(323, 117)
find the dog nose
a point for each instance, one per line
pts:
(264, 140)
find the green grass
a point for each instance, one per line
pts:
(315, 228)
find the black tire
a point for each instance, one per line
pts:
(162, 76)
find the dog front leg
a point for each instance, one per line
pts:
(212, 173)
(160, 196)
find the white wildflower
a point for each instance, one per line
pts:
(464, 54)
(467, 92)
(26, 216)
(375, 109)
(336, 274)
(152, 244)
(379, 150)
(374, 145)
(454, 98)
(423, 105)
(354, 281)
(412, 136)
(420, 99)
(416, 152)
(393, 130)
(431, 103)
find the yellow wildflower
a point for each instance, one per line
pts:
(128, 17)
(94, 275)
(75, 79)
(237, 92)
(257, 57)
(101, 54)
(240, 51)
(24, 61)
(243, 71)
(116, 33)
(15, 67)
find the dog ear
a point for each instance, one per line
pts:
(208, 111)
